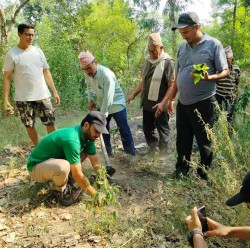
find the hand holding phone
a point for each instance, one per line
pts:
(203, 218)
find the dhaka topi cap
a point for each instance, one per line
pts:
(154, 39)
(186, 19)
(98, 119)
(86, 58)
(243, 195)
(229, 52)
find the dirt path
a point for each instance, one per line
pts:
(29, 217)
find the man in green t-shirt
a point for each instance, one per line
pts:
(61, 152)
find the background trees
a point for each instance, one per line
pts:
(115, 31)
(232, 26)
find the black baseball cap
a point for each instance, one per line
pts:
(98, 119)
(243, 195)
(186, 19)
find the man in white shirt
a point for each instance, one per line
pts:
(28, 66)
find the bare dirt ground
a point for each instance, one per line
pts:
(30, 217)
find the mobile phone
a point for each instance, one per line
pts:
(203, 218)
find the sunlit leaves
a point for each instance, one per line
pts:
(109, 33)
(199, 71)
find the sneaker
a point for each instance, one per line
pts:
(151, 151)
(68, 197)
(65, 197)
(202, 174)
(76, 194)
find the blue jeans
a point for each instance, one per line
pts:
(126, 136)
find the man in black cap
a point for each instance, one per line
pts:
(60, 153)
(196, 101)
(216, 229)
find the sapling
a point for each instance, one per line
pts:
(199, 71)
(106, 193)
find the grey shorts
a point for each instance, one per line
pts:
(42, 108)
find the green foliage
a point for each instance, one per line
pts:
(106, 194)
(109, 34)
(233, 29)
(244, 100)
(34, 11)
(198, 71)
(63, 64)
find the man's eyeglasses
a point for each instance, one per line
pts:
(28, 35)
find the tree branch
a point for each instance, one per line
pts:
(3, 26)
(15, 14)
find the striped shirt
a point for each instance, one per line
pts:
(229, 86)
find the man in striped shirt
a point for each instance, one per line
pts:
(227, 88)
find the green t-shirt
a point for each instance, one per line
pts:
(66, 143)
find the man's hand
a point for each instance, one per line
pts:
(159, 109)
(56, 98)
(170, 107)
(130, 99)
(92, 106)
(9, 110)
(216, 229)
(206, 76)
(193, 222)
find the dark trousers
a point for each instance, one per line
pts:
(126, 136)
(188, 125)
(227, 104)
(150, 123)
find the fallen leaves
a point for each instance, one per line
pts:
(10, 237)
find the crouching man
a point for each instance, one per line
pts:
(60, 154)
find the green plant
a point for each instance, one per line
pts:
(244, 99)
(104, 217)
(106, 193)
(198, 71)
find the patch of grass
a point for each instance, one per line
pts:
(15, 134)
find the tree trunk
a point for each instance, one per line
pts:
(172, 21)
(234, 23)
(6, 31)
(4, 36)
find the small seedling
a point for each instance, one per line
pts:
(106, 193)
(199, 71)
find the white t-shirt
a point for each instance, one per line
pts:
(28, 66)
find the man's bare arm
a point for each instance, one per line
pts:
(6, 92)
(217, 229)
(136, 92)
(81, 180)
(217, 76)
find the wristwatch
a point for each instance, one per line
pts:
(191, 234)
